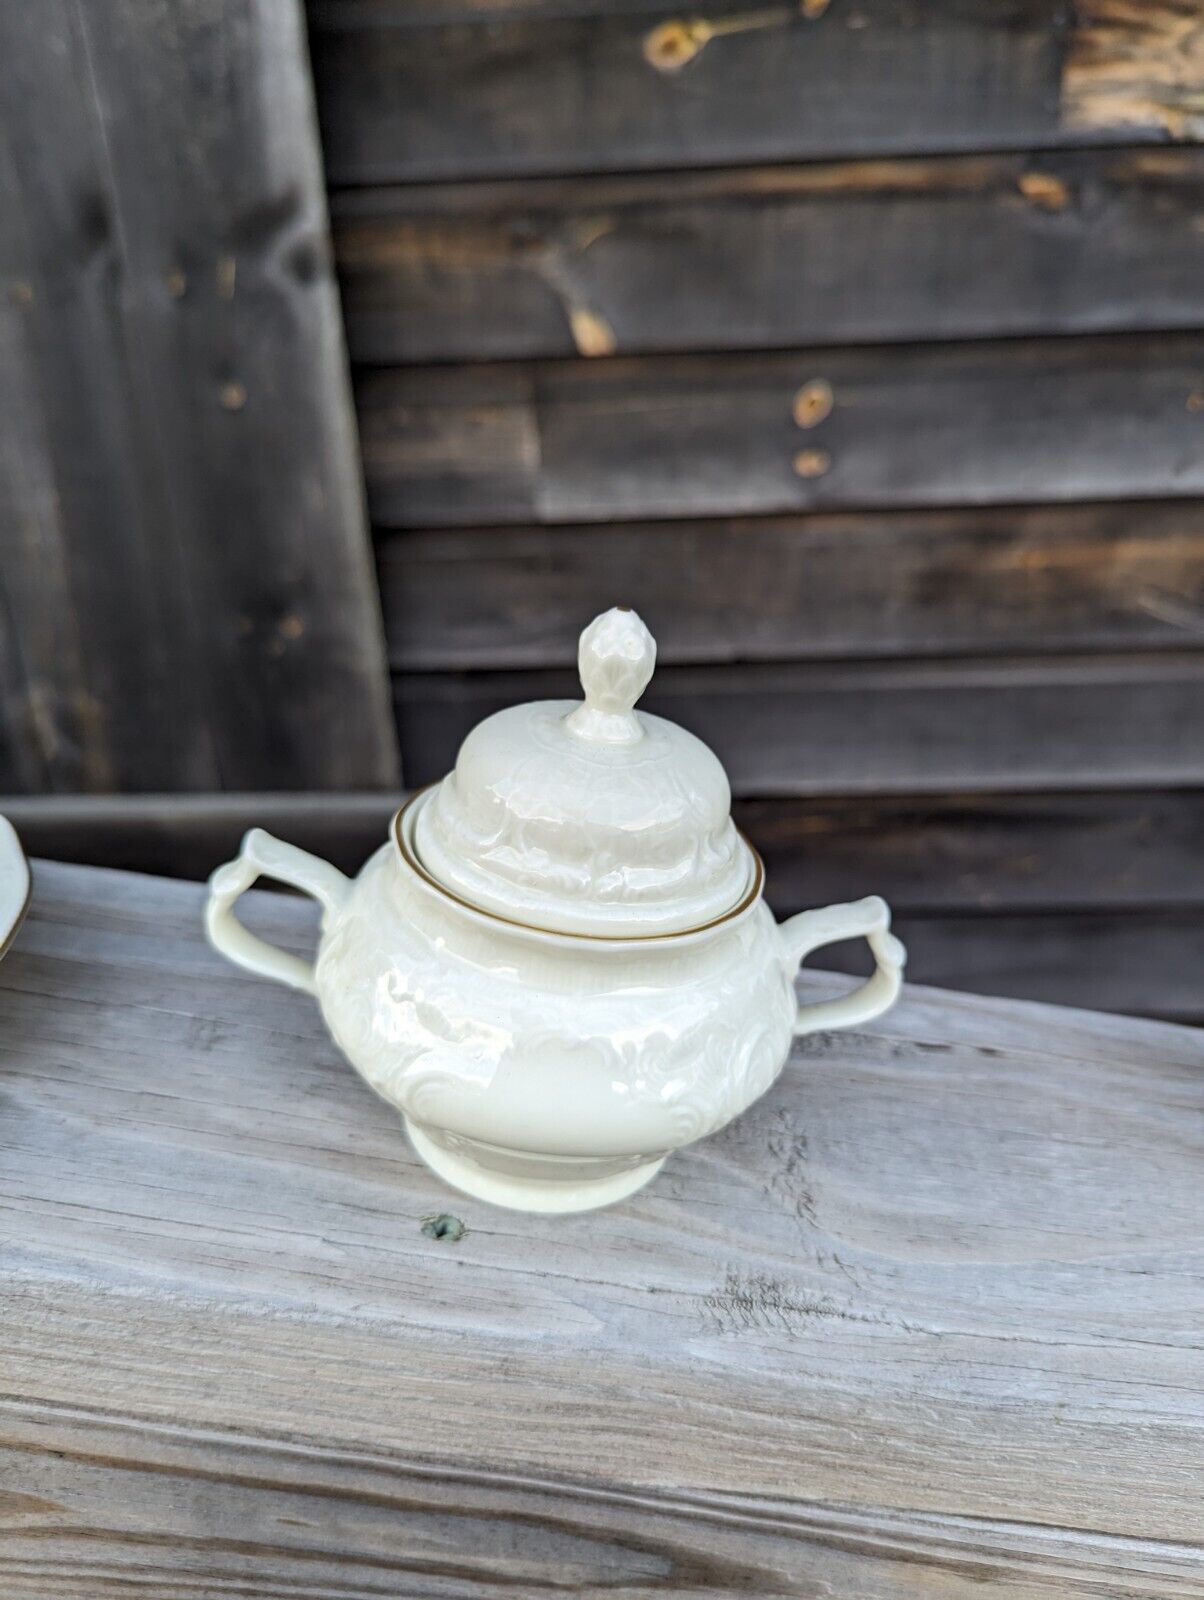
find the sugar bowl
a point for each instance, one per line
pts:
(560, 966)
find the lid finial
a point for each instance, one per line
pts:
(615, 658)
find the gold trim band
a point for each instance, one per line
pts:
(411, 860)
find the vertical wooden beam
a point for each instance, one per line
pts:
(186, 589)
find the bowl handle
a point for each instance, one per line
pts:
(261, 854)
(868, 919)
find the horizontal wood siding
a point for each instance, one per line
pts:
(955, 247)
(1142, 964)
(687, 436)
(481, 89)
(861, 346)
(967, 852)
(1105, 576)
(1086, 851)
(902, 726)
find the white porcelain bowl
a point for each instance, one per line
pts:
(560, 968)
(14, 884)
(548, 1071)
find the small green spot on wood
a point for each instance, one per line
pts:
(444, 1226)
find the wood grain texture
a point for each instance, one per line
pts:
(1136, 63)
(957, 247)
(1077, 852)
(187, 591)
(484, 89)
(925, 1321)
(908, 727)
(1141, 963)
(683, 436)
(187, 836)
(945, 853)
(1106, 576)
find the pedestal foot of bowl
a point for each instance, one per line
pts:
(527, 1183)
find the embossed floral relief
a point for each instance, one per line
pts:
(432, 1033)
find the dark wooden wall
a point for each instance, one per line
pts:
(861, 345)
(186, 591)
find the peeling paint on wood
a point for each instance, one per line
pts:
(1136, 64)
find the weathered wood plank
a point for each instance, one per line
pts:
(967, 424)
(187, 588)
(1076, 899)
(959, 247)
(1074, 722)
(187, 836)
(1102, 576)
(92, 602)
(992, 852)
(1135, 63)
(484, 89)
(926, 853)
(883, 1336)
(195, 1514)
(1142, 963)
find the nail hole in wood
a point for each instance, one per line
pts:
(669, 46)
(812, 463)
(444, 1226)
(592, 334)
(1044, 190)
(813, 403)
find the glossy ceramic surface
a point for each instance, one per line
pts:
(552, 1065)
(14, 884)
(589, 817)
(541, 1070)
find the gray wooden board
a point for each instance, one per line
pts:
(708, 435)
(187, 836)
(1103, 576)
(925, 1321)
(848, 727)
(926, 248)
(480, 88)
(187, 594)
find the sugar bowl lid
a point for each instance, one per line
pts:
(589, 817)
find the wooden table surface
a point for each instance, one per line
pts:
(927, 1321)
